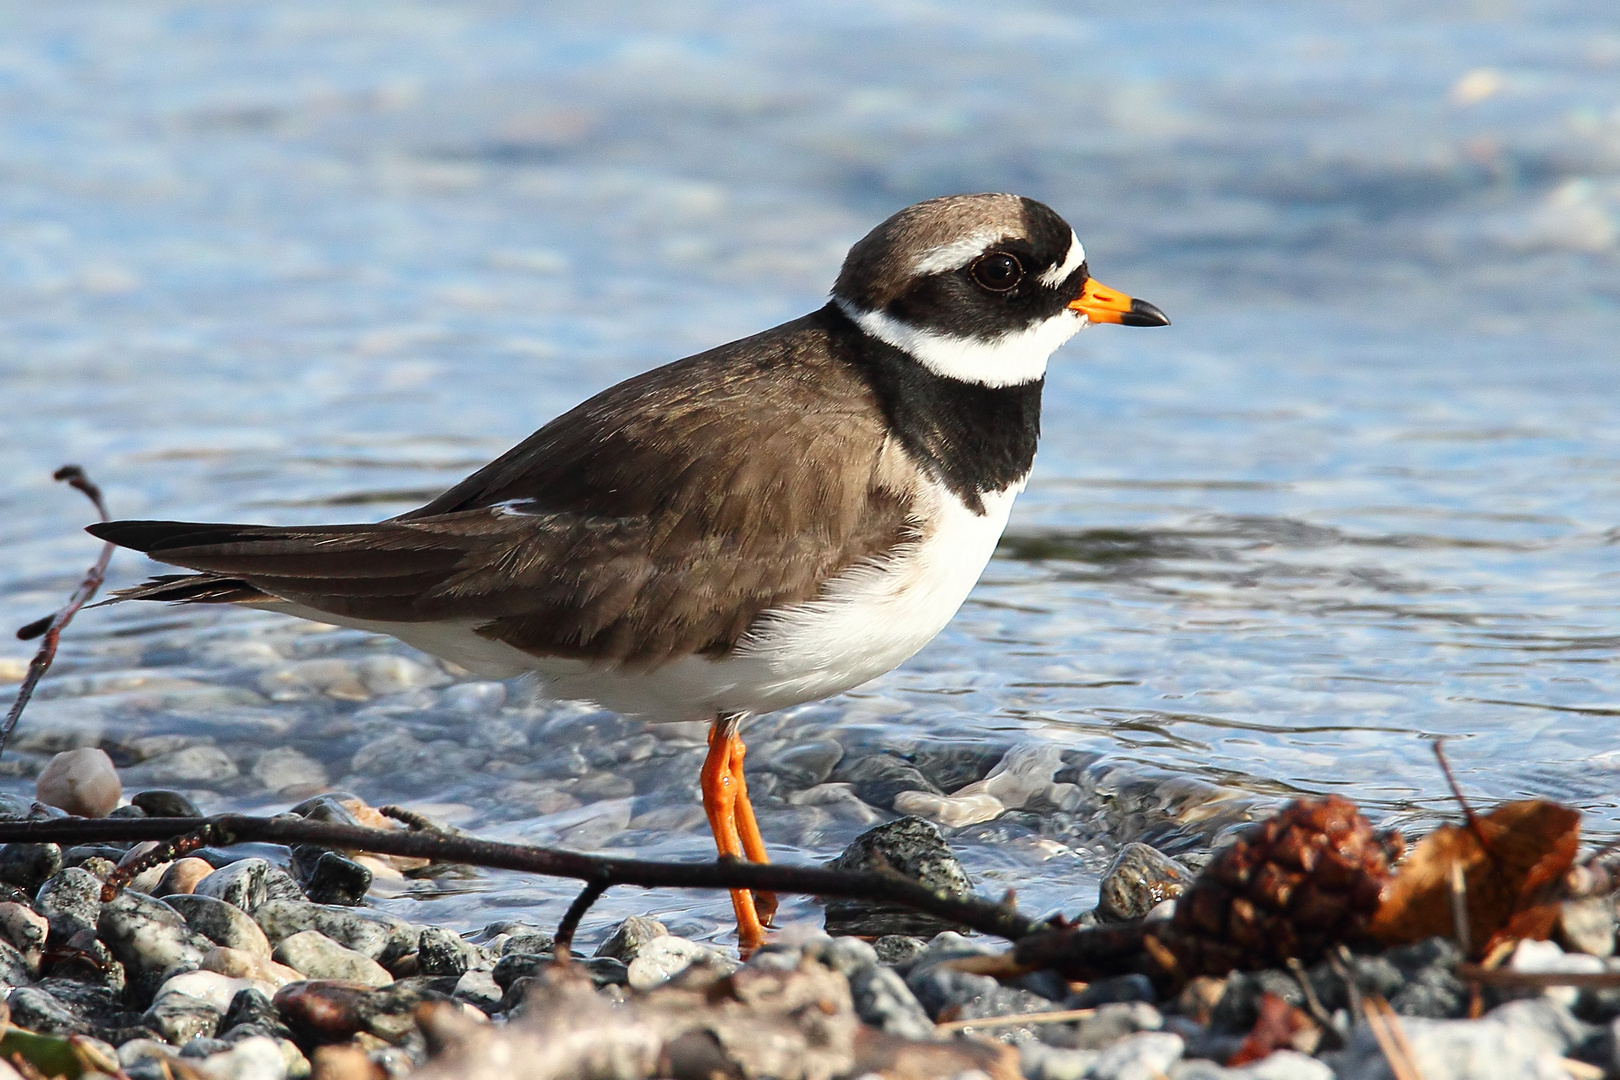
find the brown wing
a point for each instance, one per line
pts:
(657, 519)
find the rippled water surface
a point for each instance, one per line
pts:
(294, 262)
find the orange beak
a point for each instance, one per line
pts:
(1099, 303)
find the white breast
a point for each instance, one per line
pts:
(866, 621)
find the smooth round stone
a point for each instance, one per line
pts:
(160, 802)
(28, 865)
(248, 884)
(383, 675)
(148, 936)
(319, 957)
(23, 927)
(627, 938)
(82, 782)
(37, 1010)
(883, 1000)
(70, 900)
(952, 811)
(179, 1018)
(1588, 926)
(1140, 879)
(256, 1058)
(182, 876)
(1148, 1054)
(237, 964)
(897, 950)
(479, 989)
(807, 763)
(663, 958)
(372, 934)
(284, 769)
(201, 764)
(212, 987)
(878, 778)
(475, 698)
(222, 923)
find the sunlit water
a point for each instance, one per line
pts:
(310, 262)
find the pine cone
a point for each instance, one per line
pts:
(1302, 881)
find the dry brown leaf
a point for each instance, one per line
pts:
(1509, 882)
(1280, 1026)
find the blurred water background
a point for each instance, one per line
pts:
(313, 261)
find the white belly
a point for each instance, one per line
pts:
(867, 621)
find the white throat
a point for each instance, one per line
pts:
(1016, 357)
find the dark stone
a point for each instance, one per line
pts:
(321, 1012)
(806, 764)
(252, 1008)
(953, 766)
(128, 811)
(913, 847)
(878, 778)
(70, 900)
(514, 966)
(628, 938)
(970, 997)
(1372, 975)
(1140, 879)
(26, 866)
(160, 802)
(1107, 991)
(38, 1010)
(442, 953)
(201, 1047)
(1432, 992)
(898, 950)
(337, 880)
(1239, 1006)
(250, 883)
(603, 970)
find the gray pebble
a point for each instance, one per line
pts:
(1111, 1023)
(1038, 1061)
(1588, 926)
(627, 938)
(1119, 988)
(479, 989)
(15, 968)
(913, 847)
(898, 950)
(843, 954)
(806, 764)
(248, 884)
(883, 1000)
(878, 778)
(37, 1010)
(219, 922)
(475, 698)
(440, 952)
(1140, 879)
(663, 958)
(250, 1059)
(370, 933)
(28, 865)
(1140, 1057)
(201, 1046)
(1504, 1045)
(70, 900)
(970, 997)
(160, 802)
(251, 1008)
(202, 764)
(148, 936)
(179, 1018)
(312, 953)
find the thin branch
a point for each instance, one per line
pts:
(1439, 748)
(563, 944)
(1060, 1016)
(985, 916)
(52, 625)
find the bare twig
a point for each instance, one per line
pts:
(985, 916)
(1459, 907)
(1059, 1016)
(1534, 980)
(51, 626)
(563, 943)
(1386, 1029)
(1462, 800)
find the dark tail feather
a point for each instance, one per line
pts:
(190, 589)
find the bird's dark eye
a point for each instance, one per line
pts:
(997, 271)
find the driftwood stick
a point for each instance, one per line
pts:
(985, 916)
(51, 626)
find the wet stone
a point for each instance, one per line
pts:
(83, 959)
(1140, 879)
(222, 923)
(628, 938)
(17, 967)
(319, 957)
(148, 937)
(26, 866)
(335, 879)
(880, 777)
(161, 803)
(248, 884)
(663, 958)
(806, 764)
(179, 1018)
(913, 847)
(440, 952)
(70, 900)
(479, 989)
(1239, 1006)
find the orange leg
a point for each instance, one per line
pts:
(748, 829)
(723, 790)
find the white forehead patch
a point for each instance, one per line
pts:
(954, 255)
(1076, 256)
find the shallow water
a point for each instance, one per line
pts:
(300, 262)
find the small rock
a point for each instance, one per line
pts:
(474, 698)
(256, 1058)
(440, 952)
(479, 988)
(897, 950)
(1502, 1045)
(1140, 879)
(37, 1010)
(179, 1018)
(883, 1000)
(70, 900)
(17, 966)
(251, 1007)
(1111, 1023)
(844, 955)
(627, 938)
(249, 884)
(220, 922)
(337, 880)
(1588, 926)
(24, 928)
(139, 1051)
(28, 865)
(237, 964)
(1287, 1065)
(390, 674)
(211, 987)
(148, 936)
(1542, 956)
(162, 803)
(201, 764)
(1037, 1061)
(952, 811)
(1140, 1057)
(1239, 1005)
(1107, 991)
(663, 958)
(912, 847)
(969, 997)
(370, 933)
(182, 876)
(806, 764)
(878, 778)
(319, 957)
(82, 782)
(284, 769)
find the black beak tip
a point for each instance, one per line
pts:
(1143, 313)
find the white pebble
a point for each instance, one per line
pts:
(82, 782)
(950, 810)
